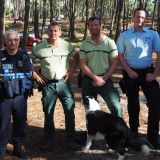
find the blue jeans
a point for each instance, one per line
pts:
(16, 108)
(50, 93)
(108, 92)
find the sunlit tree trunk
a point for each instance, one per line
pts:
(85, 31)
(2, 11)
(36, 19)
(44, 15)
(26, 24)
(119, 20)
(158, 17)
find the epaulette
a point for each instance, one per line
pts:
(152, 28)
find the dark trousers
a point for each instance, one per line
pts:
(152, 93)
(108, 92)
(50, 93)
(16, 108)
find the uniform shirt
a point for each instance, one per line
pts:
(97, 56)
(21, 61)
(138, 47)
(54, 60)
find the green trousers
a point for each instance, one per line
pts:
(50, 93)
(108, 92)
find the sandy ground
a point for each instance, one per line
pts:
(62, 150)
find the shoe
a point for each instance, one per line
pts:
(20, 153)
(153, 144)
(47, 144)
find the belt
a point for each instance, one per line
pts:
(145, 70)
(55, 80)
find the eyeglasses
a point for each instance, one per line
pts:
(12, 40)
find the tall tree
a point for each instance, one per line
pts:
(26, 24)
(158, 17)
(44, 15)
(51, 10)
(119, 20)
(72, 11)
(36, 19)
(2, 11)
(85, 31)
(141, 3)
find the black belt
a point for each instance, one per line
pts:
(55, 81)
(145, 70)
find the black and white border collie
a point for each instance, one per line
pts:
(112, 129)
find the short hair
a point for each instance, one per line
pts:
(7, 33)
(94, 18)
(54, 24)
(140, 9)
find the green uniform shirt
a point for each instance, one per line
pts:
(54, 60)
(97, 56)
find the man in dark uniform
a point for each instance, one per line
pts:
(15, 70)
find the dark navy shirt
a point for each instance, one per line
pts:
(21, 62)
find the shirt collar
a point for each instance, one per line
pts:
(49, 45)
(90, 40)
(144, 29)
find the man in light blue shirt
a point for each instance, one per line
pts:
(136, 47)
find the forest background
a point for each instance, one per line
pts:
(31, 18)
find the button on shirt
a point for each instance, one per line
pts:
(54, 60)
(138, 47)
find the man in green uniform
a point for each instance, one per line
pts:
(98, 60)
(55, 55)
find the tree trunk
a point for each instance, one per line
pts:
(72, 19)
(26, 24)
(44, 15)
(120, 8)
(2, 11)
(85, 31)
(51, 10)
(36, 19)
(158, 17)
(154, 11)
(113, 18)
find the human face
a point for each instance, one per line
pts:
(54, 32)
(12, 43)
(94, 27)
(139, 19)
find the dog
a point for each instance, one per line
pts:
(112, 129)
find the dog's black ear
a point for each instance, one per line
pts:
(90, 97)
(85, 101)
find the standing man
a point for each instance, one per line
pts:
(15, 67)
(136, 46)
(98, 60)
(55, 55)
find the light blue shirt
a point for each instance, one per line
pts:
(138, 47)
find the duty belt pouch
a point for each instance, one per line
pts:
(11, 88)
(8, 90)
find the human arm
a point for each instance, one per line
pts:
(97, 80)
(152, 76)
(73, 67)
(132, 74)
